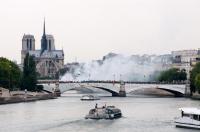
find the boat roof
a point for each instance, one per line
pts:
(194, 111)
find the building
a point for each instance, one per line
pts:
(48, 59)
(185, 59)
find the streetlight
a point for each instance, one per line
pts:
(58, 74)
(10, 77)
(89, 78)
(120, 77)
(113, 79)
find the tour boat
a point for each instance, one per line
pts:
(90, 97)
(190, 118)
(105, 112)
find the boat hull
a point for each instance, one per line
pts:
(89, 99)
(190, 126)
(186, 122)
(107, 116)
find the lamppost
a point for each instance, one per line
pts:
(58, 75)
(120, 77)
(10, 77)
(144, 78)
(89, 78)
(113, 79)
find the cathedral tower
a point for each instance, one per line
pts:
(50, 43)
(28, 44)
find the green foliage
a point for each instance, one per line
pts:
(195, 71)
(173, 74)
(197, 82)
(60, 72)
(39, 88)
(29, 79)
(10, 74)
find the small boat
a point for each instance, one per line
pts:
(90, 97)
(190, 118)
(105, 112)
(57, 92)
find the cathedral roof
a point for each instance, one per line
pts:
(54, 54)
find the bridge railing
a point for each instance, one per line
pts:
(111, 81)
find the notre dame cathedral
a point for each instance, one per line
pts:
(48, 59)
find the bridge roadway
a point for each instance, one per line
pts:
(114, 88)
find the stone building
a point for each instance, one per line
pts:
(48, 59)
(185, 59)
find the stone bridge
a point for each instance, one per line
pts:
(118, 89)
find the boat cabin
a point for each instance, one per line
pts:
(192, 113)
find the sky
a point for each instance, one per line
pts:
(89, 29)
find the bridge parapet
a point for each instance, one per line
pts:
(114, 82)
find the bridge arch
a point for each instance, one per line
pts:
(86, 90)
(114, 94)
(176, 93)
(64, 88)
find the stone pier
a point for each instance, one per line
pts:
(122, 91)
(187, 90)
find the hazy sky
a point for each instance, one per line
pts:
(89, 29)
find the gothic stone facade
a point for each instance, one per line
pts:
(48, 59)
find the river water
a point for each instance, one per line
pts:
(66, 114)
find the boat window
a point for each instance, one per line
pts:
(92, 111)
(109, 111)
(187, 115)
(195, 117)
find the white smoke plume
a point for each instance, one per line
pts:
(118, 67)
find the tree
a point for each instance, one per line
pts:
(29, 79)
(172, 74)
(60, 72)
(10, 74)
(195, 71)
(197, 82)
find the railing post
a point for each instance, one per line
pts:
(187, 90)
(57, 90)
(122, 91)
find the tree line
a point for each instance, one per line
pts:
(176, 75)
(10, 74)
(195, 79)
(12, 78)
(173, 75)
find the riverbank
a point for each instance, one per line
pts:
(21, 96)
(195, 96)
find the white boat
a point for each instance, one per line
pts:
(190, 118)
(90, 97)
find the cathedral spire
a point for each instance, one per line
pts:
(43, 40)
(44, 32)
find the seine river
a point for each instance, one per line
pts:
(66, 114)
